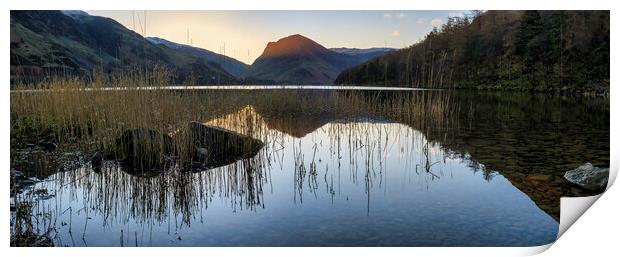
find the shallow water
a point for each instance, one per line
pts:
(350, 180)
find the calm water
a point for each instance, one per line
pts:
(326, 179)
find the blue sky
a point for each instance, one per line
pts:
(246, 33)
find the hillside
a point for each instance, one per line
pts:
(50, 43)
(363, 54)
(231, 65)
(299, 60)
(514, 50)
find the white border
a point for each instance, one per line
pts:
(312, 5)
(595, 234)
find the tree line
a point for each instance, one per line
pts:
(510, 50)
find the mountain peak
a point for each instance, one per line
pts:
(299, 60)
(296, 37)
(291, 45)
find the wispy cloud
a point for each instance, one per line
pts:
(395, 33)
(387, 15)
(401, 15)
(436, 22)
(421, 21)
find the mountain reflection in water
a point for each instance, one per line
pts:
(327, 177)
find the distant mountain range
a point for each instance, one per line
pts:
(367, 53)
(231, 65)
(299, 60)
(53, 43)
(74, 43)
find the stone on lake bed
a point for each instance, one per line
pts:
(588, 177)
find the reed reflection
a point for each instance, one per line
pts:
(329, 147)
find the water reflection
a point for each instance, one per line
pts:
(331, 177)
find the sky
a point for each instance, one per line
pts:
(246, 33)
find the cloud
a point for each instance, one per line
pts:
(401, 15)
(387, 15)
(395, 33)
(421, 21)
(436, 22)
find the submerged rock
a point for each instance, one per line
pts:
(217, 146)
(588, 177)
(143, 148)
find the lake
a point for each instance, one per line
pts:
(370, 168)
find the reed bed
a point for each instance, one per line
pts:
(89, 116)
(66, 111)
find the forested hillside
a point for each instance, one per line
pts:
(513, 50)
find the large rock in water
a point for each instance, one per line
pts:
(217, 146)
(589, 177)
(145, 148)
